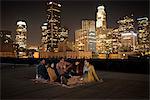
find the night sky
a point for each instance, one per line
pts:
(73, 11)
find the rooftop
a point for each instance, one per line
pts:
(17, 84)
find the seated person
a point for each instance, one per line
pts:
(51, 72)
(79, 67)
(62, 66)
(41, 71)
(89, 73)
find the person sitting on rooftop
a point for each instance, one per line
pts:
(89, 73)
(62, 66)
(41, 71)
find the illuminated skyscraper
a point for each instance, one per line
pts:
(79, 43)
(63, 34)
(116, 40)
(101, 18)
(128, 41)
(54, 26)
(6, 41)
(126, 24)
(101, 30)
(21, 35)
(128, 35)
(85, 39)
(44, 36)
(143, 34)
(52, 33)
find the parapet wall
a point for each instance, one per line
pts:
(74, 55)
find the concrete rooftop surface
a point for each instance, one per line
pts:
(16, 84)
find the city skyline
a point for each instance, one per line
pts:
(70, 18)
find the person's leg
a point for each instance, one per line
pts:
(63, 80)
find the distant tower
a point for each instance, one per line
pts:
(85, 37)
(54, 25)
(143, 34)
(89, 36)
(6, 41)
(101, 18)
(21, 35)
(128, 35)
(101, 30)
(44, 38)
(126, 24)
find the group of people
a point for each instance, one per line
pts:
(67, 73)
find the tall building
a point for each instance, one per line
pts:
(52, 33)
(79, 42)
(101, 30)
(126, 24)
(6, 41)
(128, 35)
(128, 41)
(44, 36)
(54, 25)
(143, 34)
(85, 38)
(116, 40)
(63, 34)
(21, 35)
(101, 18)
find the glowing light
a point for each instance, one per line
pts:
(36, 55)
(128, 34)
(144, 18)
(59, 5)
(100, 16)
(45, 24)
(50, 2)
(44, 27)
(100, 7)
(21, 23)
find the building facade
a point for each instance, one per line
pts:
(63, 34)
(143, 34)
(79, 40)
(128, 34)
(126, 24)
(85, 38)
(6, 41)
(52, 32)
(101, 30)
(21, 34)
(116, 40)
(44, 37)
(54, 25)
(101, 18)
(128, 41)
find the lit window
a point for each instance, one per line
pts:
(6, 41)
(59, 5)
(50, 2)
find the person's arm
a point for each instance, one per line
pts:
(57, 68)
(68, 65)
(94, 73)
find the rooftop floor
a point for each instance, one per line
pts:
(16, 83)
